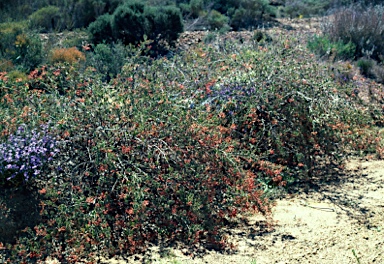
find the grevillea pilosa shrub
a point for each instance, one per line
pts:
(24, 155)
(175, 149)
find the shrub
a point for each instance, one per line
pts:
(19, 46)
(324, 47)
(101, 29)
(378, 71)
(17, 76)
(165, 25)
(67, 55)
(305, 8)
(25, 154)
(107, 58)
(196, 7)
(8, 34)
(250, 14)
(364, 27)
(175, 148)
(365, 66)
(217, 21)
(6, 65)
(133, 21)
(46, 19)
(129, 22)
(29, 48)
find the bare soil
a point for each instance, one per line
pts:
(339, 220)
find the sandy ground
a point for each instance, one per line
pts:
(340, 220)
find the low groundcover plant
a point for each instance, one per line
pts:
(25, 153)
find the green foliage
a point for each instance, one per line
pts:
(250, 14)
(306, 8)
(165, 25)
(364, 27)
(217, 21)
(101, 29)
(133, 21)
(46, 19)
(196, 6)
(107, 58)
(20, 46)
(324, 47)
(365, 66)
(129, 22)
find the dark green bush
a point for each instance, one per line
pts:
(46, 19)
(217, 21)
(365, 66)
(129, 22)
(134, 21)
(165, 25)
(87, 11)
(305, 8)
(101, 30)
(364, 27)
(250, 14)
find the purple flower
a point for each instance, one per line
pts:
(25, 153)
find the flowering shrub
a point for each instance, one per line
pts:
(174, 149)
(68, 55)
(25, 154)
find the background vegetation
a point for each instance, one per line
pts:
(124, 139)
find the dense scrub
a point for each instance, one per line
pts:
(172, 149)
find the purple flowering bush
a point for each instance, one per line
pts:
(25, 154)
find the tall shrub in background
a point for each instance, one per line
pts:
(165, 25)
(133, 20)
(250, 14)
(46, 19)
(129, 22)
(101, 30)
(20, 46)
(363, 26)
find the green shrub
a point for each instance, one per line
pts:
(365, 66)
(196, 6)
(324, 47)
(305, 8)
(8, 33)
(19, 46)
(250, 14)
(364, 27)
(164, 26)
(217, 21)
(101, 29)
(46, 19)
(82, 13)
(107, 58)
(378, 71)
(210, 37)
(133, 21)
(129, 22)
